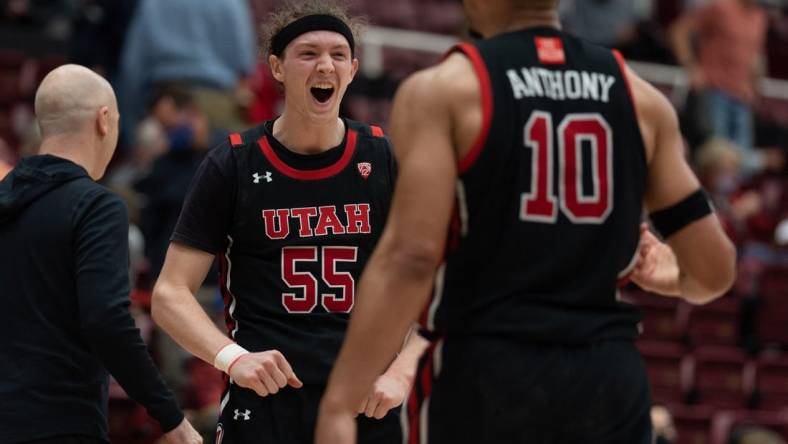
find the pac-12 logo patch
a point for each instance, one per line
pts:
(365, 169)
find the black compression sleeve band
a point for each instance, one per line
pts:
(316, 22)
(673, 218)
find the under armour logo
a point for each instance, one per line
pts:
(246, 414)
(266, 176)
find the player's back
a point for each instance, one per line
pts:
(549, 199)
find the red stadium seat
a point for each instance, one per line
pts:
(693, 423)
(772, 317)
(660, 315)
(714, 375)
(663, 363)
(771, 382)
(714, 324)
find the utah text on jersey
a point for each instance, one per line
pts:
(317, 221)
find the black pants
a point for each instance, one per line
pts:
(497, 391)
(289, 417)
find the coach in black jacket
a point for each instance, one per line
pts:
(64, 286)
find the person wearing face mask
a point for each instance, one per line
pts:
(293, 208)
(165, 185)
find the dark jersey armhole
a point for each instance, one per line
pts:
(622, 66)
(470, 51)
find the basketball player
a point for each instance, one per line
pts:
(293, 209)
(525, 161)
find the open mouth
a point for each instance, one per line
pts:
(322, 93)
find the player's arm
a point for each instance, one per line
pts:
(392, 387)
(176, 310)
(703, 257)
(397, 280)
(200, 231)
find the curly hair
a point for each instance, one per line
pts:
(296, 9)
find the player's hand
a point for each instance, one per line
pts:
(183, 434)
(388, 392)
(264, 372)
(656, 269)
(335, 426)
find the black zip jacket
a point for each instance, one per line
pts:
(64, 298)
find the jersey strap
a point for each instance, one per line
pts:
(622, 66)
(485, 86)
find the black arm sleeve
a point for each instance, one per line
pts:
(207, 211)
(101, 265)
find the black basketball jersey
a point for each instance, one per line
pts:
(300, 231)
(549, 198)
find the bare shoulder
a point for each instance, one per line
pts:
(655, 112)
(444, 99)
(648, 99)
(446, 83)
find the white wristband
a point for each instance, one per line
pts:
(227, 355)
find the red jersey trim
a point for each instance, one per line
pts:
(483, 75)
(322, 173)
(235, 139)
(377, 131)
(623, 67)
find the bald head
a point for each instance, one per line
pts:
(70, 98)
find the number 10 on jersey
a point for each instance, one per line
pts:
(580, 206)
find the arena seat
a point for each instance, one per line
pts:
(716, 323)
(693, 423)
(770, 383)
(714, 375)
(772, 316)
(663, 363)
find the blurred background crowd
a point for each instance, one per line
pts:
(187, 72)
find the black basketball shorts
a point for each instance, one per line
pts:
(498, 391)
(289, 417)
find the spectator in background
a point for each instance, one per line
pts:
(150, 142)
(99, 30)
(726, 66)
(211, 45)
(5, 159)
(664, 427)
(751, 434)
(166, 184)
(718, 164)
(622, 24)
(50, 17)
(610, 23)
